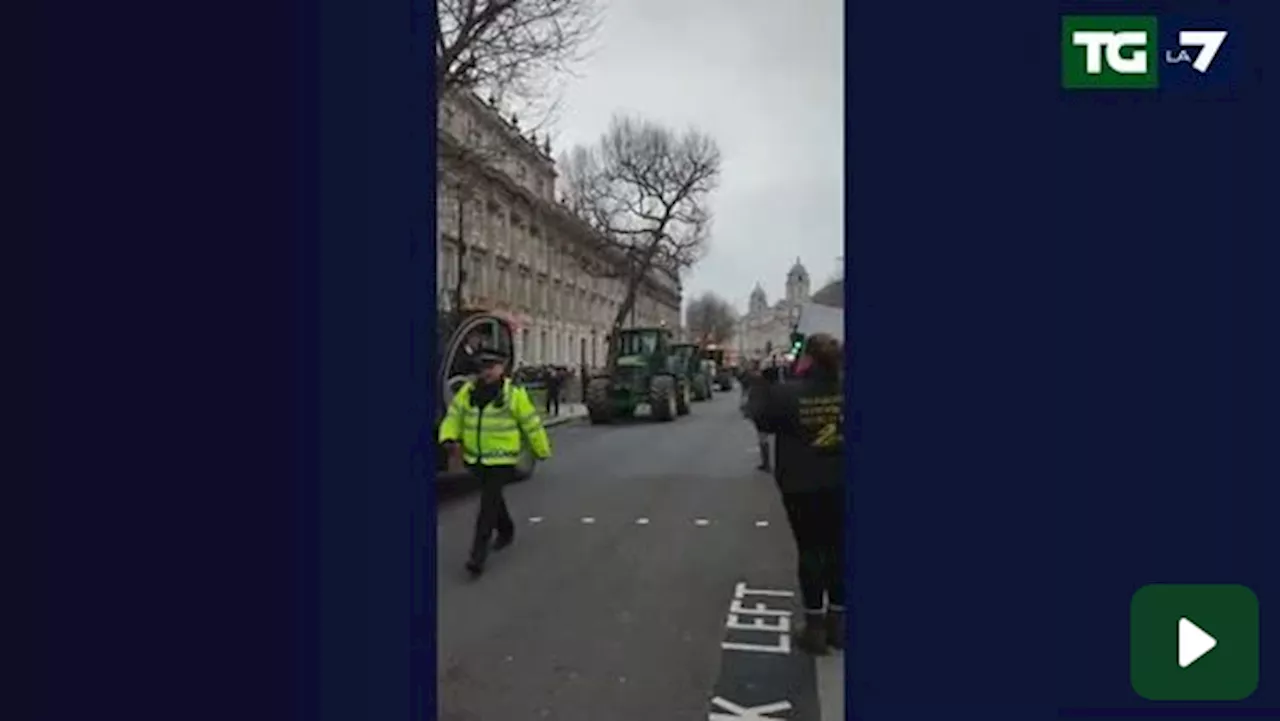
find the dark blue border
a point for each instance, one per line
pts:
(422, 364)
(220, 297)
(1065, 357)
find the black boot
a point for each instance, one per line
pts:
(475, 566)
(504, 539)
(811, 637)
(835, 628)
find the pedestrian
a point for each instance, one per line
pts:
(487, 423)
(754, 388)
(807, 418)
(555, 384)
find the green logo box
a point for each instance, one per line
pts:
(1077, 73)
(1193, 642)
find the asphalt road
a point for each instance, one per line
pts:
(614, 600)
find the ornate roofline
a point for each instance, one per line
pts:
(449, 147)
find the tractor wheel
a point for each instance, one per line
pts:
(662, 398)
(599, 406)
(682, 400)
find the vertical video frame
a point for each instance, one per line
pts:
(639, 377)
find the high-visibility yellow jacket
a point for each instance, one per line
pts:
(491, 436)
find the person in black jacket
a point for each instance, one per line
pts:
(755, 387)
(806, 416)
(555, 386)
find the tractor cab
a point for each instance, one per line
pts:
(688, 362)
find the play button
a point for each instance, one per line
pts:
(1193, 642)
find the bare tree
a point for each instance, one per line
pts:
(711, 318)
(645, 191)
(513, 51)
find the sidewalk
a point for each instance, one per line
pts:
(568, 412)
(830, 672)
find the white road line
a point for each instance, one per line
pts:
(535, 519)
(762, 524)
(701, 522)
(830, 671)
(642, 521)
(588, 519)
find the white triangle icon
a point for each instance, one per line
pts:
(1193, 642)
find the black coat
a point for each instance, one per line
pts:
(807, 417)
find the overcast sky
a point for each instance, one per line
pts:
(766, 80)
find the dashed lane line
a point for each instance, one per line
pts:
(644, 521)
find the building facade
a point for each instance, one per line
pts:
(766, 329)
(525, 256)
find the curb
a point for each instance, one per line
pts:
(561, 420)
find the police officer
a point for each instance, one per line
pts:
(487, 423)
(806, 417)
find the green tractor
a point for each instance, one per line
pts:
(723, 379)
(690, 358)
(646, 371)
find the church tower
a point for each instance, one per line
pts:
(759, 303)
(797, 284)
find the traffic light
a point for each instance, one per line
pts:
(797, 342)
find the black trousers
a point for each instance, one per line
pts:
(817, 522)
(553, 400)
(493, 516)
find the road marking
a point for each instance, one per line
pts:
(780, 627)
(646, 521)
(743, 712)
(761, 676)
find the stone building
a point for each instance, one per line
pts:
(526, 257)
(765, 328)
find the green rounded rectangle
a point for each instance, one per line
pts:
(1128, 60)
(1193, 642)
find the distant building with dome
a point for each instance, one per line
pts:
(766, 329)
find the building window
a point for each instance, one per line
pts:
(477, 279)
